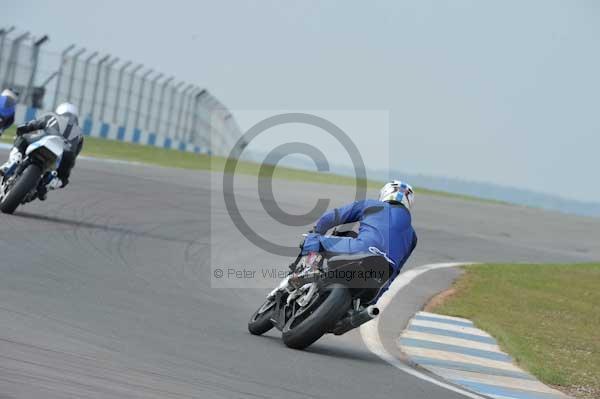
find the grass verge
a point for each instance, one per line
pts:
(102, 148)
(546, 316)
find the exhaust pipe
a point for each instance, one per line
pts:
(373, 311)
(356, 319)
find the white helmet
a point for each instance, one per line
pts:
(67, 108)
(397, 191)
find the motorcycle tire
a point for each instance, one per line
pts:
(28, 180)
(333, 307)
(260, 323)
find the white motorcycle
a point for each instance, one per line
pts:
(22, 182)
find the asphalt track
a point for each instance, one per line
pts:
(105, 289)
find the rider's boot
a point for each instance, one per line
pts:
(42, 192)
(50, 182)
(55, 183)
(14, 158)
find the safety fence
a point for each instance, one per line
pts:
(117, 99)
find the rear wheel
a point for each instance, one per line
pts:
(260, 322)
(332, 304)
(28, 180)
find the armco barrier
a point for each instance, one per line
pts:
(111, 131)
(117, 99)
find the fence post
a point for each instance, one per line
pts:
(59, 73)
(187, 119)
(216, 136)
(11, 63)
(73, 71)
(182, 99)
(195, 125)
(132, 77)
(172, 108)
(4, 33)
(107, 71)
(162, 101)
(138, 113)
(35, 55)
(186, 112)
(49, 79)
(84, 80)
(151, 99)
(119, 83)
(97, 83)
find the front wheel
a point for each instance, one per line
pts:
(302, 332)
(260, 322)
(27, 181)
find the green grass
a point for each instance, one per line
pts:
(546, 316)
(102, 148)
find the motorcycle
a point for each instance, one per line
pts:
(23, 182)
(318, 297)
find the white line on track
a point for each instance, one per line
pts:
(370, 331)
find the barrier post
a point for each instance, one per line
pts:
(136, 124)
(59, 74)
(119, 84)
(129, 93)
(151, 98)
(35, 57)
(107, 71)
(96, 84)
(84, 79)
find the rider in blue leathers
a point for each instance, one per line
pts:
(385, 228)
(8, 101)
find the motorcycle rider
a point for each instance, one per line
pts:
(385, 229)
(64, 122)
(8, 101)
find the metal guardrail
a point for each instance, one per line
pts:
(114, 92)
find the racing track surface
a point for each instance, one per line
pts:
(105, 289)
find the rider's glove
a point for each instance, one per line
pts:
(313, 230)
(312, 243)
(21, 129)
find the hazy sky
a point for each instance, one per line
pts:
(505, 92)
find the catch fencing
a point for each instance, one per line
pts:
(117, 99)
